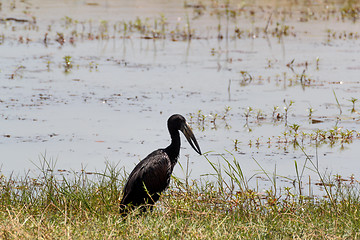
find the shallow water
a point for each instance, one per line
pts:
(113, 102)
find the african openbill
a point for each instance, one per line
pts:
(152, 175)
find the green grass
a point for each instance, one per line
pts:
(85, 206)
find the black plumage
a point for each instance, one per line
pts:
(152, 175)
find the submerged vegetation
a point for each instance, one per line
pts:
(62, 204)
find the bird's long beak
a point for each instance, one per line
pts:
(186, 130)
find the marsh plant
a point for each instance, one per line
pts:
(212, 120)
(287, 109)
(294, 135)
(353, 101)
(223, 204)
(226, 13)
(67, 64)
(311, 111)
(17, 73)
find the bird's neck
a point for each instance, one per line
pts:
(174, 148)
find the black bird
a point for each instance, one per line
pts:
(152, 175)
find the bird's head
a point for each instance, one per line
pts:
(178, 122)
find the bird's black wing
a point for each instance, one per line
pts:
(153, 172)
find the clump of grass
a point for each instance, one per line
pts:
(29, 206)
(55, 190)
(85, 205)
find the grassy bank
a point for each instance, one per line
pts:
(85, 206)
